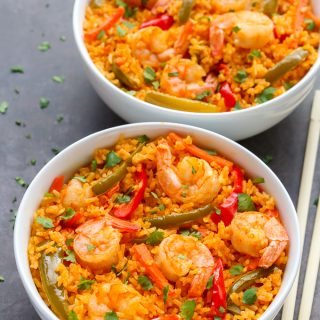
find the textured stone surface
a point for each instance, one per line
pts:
(23, 26)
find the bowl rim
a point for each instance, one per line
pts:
(20, 256)
(141, 104)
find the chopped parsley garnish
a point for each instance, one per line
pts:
(204, 94)
(44, 46)
(154, 195)
(236, 269)
(131, 92)
(69, 242)
(211, 152)
(236, 29)
(209, 283)
(16, 91)
(1, 278)
(123, 198)
(310, 24)
(266, 95)
(240, 76)
(111, 315)
(58, 79)
(94, 165)
(245, 203)
(69, 213)
(217, 211)
(162, 207)
(249, 296)
(44, 103)
(55, 151)
(237, 106)
(155, 238)
(193, 170)
(187, 309)
(191, 232)
(156, 84)
(120, 32)
(45, 222)
(258, 180)
(112, 159)
(145, 283)
(4, 107)
(80, 178)
(128, 24)
(59, 118)
(254, 54)
(85, 284)
(173, 74)
(33, 162)
(222, 309)
(101, 34)
(126, 280)
(149, 75)
(72, 315)
(288, 85)
(182, 256)
(267, 158)
(62, 38)
(20, 181)
(316, 202)
(143, 138)
(17, 69)
(48, 195)
(165, 293)
(28, 136)
(118, 273)
(90, 247)
(70, 256)
(129, 11)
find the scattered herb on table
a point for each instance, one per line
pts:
(44, 46)
(267, 158)
(58, 79)
(17, 69)
(1, 279)
(4, 107)
(20, 181)
(59, 118)
(33, 162)
(55, 151)
(44, 103)
(62, 38)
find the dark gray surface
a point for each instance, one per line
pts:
(23, 26)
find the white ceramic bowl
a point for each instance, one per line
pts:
(80, 153)
(236, 125)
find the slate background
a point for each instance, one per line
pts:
(24, 24)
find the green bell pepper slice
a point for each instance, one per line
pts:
(185, 11)
(182, 104)
(286, 64)
(126, 80)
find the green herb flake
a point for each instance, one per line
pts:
(129, 25)
(70, 256)
(59, 118)
(14, 200)
(1, 278)
(236, 29)
(145, 283)
(80, 178)
(237, 106)
(120, 32)
(245, 203)
(143, 139)
(111, 315)
(154, 195)
(101, 34)
(85, 284)
(33, 162)
(28, 136)
(17, 69)
(156, 84)
(20, 123)
(44, 103)
(209, 283)
(181, 256)
(258, 180)
(123, 198)
(58, 79)
(62, 38)
(173, 74)
(204, 94)
(45, 222)
(48, 195)
(288, 85)
(69, 213)
(217, 211)
(267, 158)
(69, 242)
(217, 318)
(94, 165)
(266, 95)
(129, 11)
(72, 315)
(254, 54)
(126, 280)
(16, 91)
(20, 182)
(193, 170)
(165, 293)
(211, 152)
(222, 309)
(149, 74)
(249, 296)
(44, 46)
(131, 92)
(90, 247)
(236, 269)
(4, 107)
(112, 159)
(316, 202)
(55, 151)
(187, 309)
(162, 207)
(310, 24)
(241, 76)
(155, 238)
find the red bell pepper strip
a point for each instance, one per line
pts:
(125, 210)
(71, 223)
(108, 24)
(57, 184)
(237, 179)
(228, 96)
(164, 22)
(218, 291)
(227, 210)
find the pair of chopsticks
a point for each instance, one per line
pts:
(302, 210)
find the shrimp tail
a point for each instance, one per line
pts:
(216, 39)
(199, 282)
(272, 253)
(121, 225)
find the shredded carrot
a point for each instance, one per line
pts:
(300, 14)
(144, 256)
(194, 150)
(109, 23)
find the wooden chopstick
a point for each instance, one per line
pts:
(310, 279)
(305, 193)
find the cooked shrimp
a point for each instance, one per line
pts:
(184, 78)
(97, 244)
(178, 255)
(192, 180)
(253, 30)
(76, 194)
(258, 235)
(117, 297)
(152, 45)
(138, 3)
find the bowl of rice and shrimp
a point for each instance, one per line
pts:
(237, 68)
(156, 221)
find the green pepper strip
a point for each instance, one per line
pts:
(127, 81)
(170, 102)
(108, 182)
(185, 11)
(243, 283)
(286, 64)
(55, 295)
(176, 219)
(270, 7)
